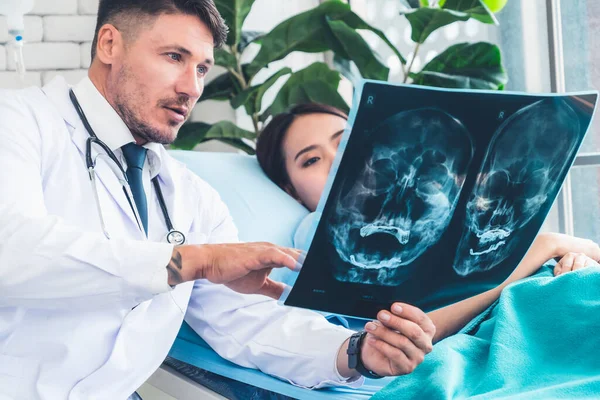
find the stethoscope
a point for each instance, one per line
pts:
(173, 236)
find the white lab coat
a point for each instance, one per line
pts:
(84, 317)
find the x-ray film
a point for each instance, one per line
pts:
(436, 195)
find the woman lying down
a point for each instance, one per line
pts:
(296, 151)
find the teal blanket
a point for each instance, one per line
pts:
(541, 341)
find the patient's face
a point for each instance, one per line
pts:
(161, 76)
(309, 146)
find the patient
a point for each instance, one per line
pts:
(296, 150)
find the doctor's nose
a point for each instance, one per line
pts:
(190, 84)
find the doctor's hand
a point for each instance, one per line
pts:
(396, 343)
(243, 267)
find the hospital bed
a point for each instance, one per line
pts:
(262, 212)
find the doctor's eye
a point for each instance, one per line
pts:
(202, 70)
(174, 56)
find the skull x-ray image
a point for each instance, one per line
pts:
(522, 164)
(404, 196)
(436, 195)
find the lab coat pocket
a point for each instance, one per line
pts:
(18, 376)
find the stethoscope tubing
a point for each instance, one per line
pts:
(91, 164)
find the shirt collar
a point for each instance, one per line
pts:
(108, 125)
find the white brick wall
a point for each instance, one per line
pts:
(88, 7)
(51, 7)
(86, 54)
(49, 56)
(58, 36)
(71, 28)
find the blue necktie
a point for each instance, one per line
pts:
(135, 156)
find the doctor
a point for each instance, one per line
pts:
(92, 294)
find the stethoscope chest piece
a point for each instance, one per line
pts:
(175, 237)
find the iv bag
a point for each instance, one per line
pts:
(14, 11)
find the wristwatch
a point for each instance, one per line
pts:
(354, 356)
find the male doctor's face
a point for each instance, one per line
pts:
(160, 75)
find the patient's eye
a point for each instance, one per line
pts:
(310, 162)
(174, 56)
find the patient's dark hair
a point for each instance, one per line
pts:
(131, 14)
(269, 147)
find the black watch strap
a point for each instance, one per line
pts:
(354, 356)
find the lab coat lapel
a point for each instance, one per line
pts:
(107, 173)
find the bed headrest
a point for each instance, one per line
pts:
(260, 209)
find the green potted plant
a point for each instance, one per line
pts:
(333, 26)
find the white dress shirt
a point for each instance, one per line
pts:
(85, 317)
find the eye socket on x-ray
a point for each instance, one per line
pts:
(383, 176)
(497, 184)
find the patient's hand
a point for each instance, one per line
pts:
(561, 245)
(572, 262)
(548, 246)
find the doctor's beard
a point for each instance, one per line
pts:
(128, 104)
(145, 131)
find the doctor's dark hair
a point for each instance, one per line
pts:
(269, 146)
(128, 12)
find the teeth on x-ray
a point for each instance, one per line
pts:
(525, 158)
(404, 197)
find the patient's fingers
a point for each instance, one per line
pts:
(565, 264)
(579, 261)
(573, 262)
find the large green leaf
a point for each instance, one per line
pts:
(252, 97)
(347, 68)
(424, 21)
(228, 130)
(190, 135)
(465, 66)
(315, 83)
(249, 37)
(475, 8)
(225, 59)
(358, 50)
(309, 32)
(222, 87)
(234, 12)
(354, 21)
(194, 133)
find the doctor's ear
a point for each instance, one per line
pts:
(109, 45)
